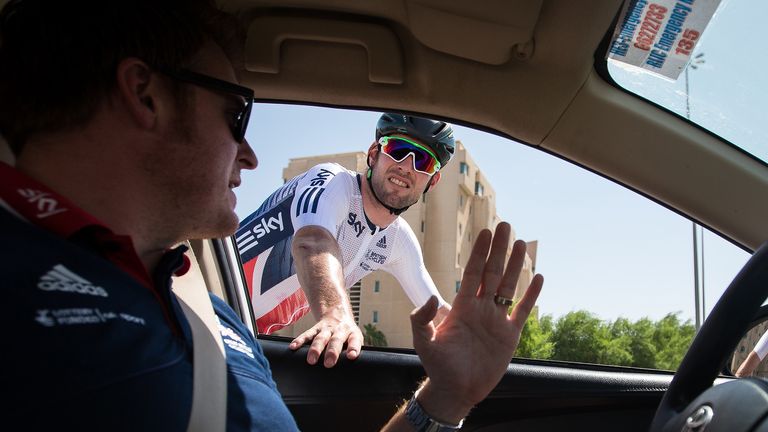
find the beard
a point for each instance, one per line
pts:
(390, 198)
(191, 202)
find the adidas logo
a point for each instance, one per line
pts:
(382, 243)
(60, 278)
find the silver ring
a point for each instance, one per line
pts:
(504, 301)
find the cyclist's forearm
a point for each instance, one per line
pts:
(319, 268)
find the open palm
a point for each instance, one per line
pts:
(467, 354)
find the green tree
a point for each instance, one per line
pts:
(581, 336)
(672, 339)
(616, 341)
(642, 346)
(577, 337)
(536, 339)
(374, 336)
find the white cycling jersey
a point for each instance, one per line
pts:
(328, 195)
(761, 348)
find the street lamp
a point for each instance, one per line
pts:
(694, 64)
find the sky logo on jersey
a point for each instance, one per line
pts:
(321, 177)
(382, 243)
(259, 229)
(355, 224)
(259, 233)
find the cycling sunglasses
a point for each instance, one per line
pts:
(239, 122)
(397, 148)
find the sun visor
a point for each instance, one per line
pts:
(266, 36)
(486, 31)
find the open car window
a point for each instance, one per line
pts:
(619, 268)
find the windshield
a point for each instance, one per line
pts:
(724, 86)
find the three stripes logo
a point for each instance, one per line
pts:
(60, 278)
(382, 243)
(310, 198)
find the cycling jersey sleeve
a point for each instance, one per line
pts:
(761, 348)
(408, 268)
(322, 198)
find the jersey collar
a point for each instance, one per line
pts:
(37, 204)
(372, 226)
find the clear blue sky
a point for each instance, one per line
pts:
(602, 248)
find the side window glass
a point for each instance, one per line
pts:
(620, 286)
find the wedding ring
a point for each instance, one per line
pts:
(504, 301)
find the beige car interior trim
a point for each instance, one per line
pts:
(209, 269)
(214, 280)
(266, 36)
(243, 298)
(681, 174)
(209, 388)
(535, 86)
(502, 27)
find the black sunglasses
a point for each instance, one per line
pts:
(240, 121)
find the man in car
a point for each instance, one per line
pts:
(128, 131)
(334, 226)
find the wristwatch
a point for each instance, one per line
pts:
(422, 422)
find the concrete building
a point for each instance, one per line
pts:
(446, 221)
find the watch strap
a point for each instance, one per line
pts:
(422, 422)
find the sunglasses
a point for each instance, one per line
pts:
(397, 148)
(239, 122)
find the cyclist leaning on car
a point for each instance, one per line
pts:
(129, 135)
(343, 226)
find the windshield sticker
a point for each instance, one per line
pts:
(659, 36)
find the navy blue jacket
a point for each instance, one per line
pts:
(88, 347)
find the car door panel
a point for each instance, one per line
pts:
(533, 395)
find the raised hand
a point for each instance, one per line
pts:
(466, 355)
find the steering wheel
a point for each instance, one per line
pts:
(692, 402)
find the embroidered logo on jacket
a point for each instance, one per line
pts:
(46, 205)
(60, 278)
(234, 341)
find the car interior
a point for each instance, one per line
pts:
(533, 71)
